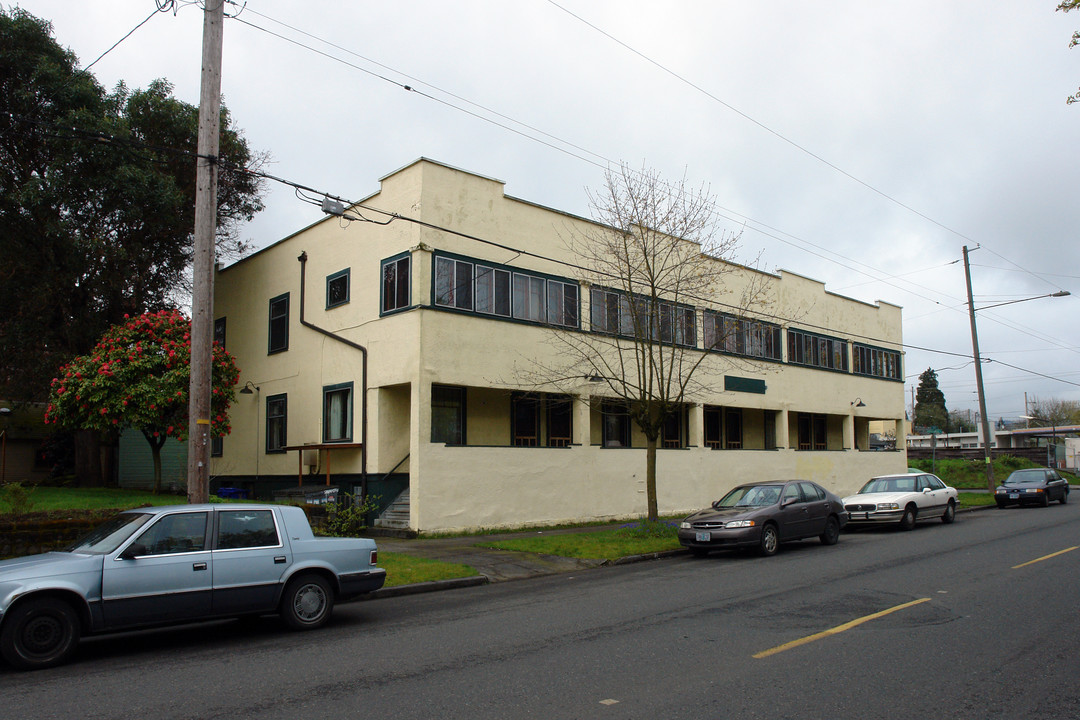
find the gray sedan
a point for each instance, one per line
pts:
(174, 564)
(764, 514)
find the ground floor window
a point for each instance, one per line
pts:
(337, 413)
(671, 432)
(525, 420)
(813, 432)
(733, 428)
(539, 420)
(448, 414)
(560, 421)
(616, 424)
(276, 416)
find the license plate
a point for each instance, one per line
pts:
(703, 537)
(1014, 496)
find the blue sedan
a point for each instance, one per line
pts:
(181, 563)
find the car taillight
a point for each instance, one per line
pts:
(374, 557)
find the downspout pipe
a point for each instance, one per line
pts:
(363, 374)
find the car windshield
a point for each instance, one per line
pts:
(750, 496)
(1025, 477)
(890, 484)
(107, 537)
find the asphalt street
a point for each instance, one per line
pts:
(971, 620)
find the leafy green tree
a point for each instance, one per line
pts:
(96, 202)
(137, 377)
(930, 411)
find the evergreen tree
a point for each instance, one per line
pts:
(930, 411)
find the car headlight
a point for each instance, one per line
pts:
(684, 525)
(1000, 491)
(1034, 490)
(888, 506)
(739, 524)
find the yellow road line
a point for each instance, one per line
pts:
(1046, 557)
(838, 629)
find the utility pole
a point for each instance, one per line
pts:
(987, 452)
(202, 299)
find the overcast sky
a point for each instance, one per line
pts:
(858, 143)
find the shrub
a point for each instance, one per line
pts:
(16, 498)
(347, 517)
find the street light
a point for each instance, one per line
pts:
(987, 452)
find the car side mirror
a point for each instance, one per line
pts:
(787, 501)
(132, 551)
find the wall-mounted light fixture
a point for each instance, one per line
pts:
(857, 402)
(249, 388)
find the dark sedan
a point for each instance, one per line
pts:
(764, 514)
(1035, 486)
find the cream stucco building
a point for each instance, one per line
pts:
(394, 353)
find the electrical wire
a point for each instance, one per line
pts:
(162, 6)
(309, 194)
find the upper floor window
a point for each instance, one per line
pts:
(476, 287)
(639, 317)
(453, 283)
(219, 331)
(817, 350)
(866, 360)
(337, 288)
(278, 332)
(395, 284)
(337, 413)
(741, 336)
(492, 291)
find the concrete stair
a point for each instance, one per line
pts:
(396, 516)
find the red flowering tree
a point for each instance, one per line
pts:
(137, 377)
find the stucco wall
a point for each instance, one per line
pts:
(507, 487)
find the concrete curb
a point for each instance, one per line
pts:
(426, 587)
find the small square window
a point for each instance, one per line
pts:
(337, 289)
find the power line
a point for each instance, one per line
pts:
(162, 6)
(301, 189)
(779, 135)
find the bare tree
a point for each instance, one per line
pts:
(655, 253)
(1055, 412)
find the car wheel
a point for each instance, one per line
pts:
(831, 534)
(307, 602)
(1001, 506)
(1064, 497)
(770, 540)
(39, 634)
(907, 522)
(1045, 500)
(950, 513)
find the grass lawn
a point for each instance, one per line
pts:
(44, 498)
(975, 499)
(603, 544)
(961, 473)
(402, 569)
